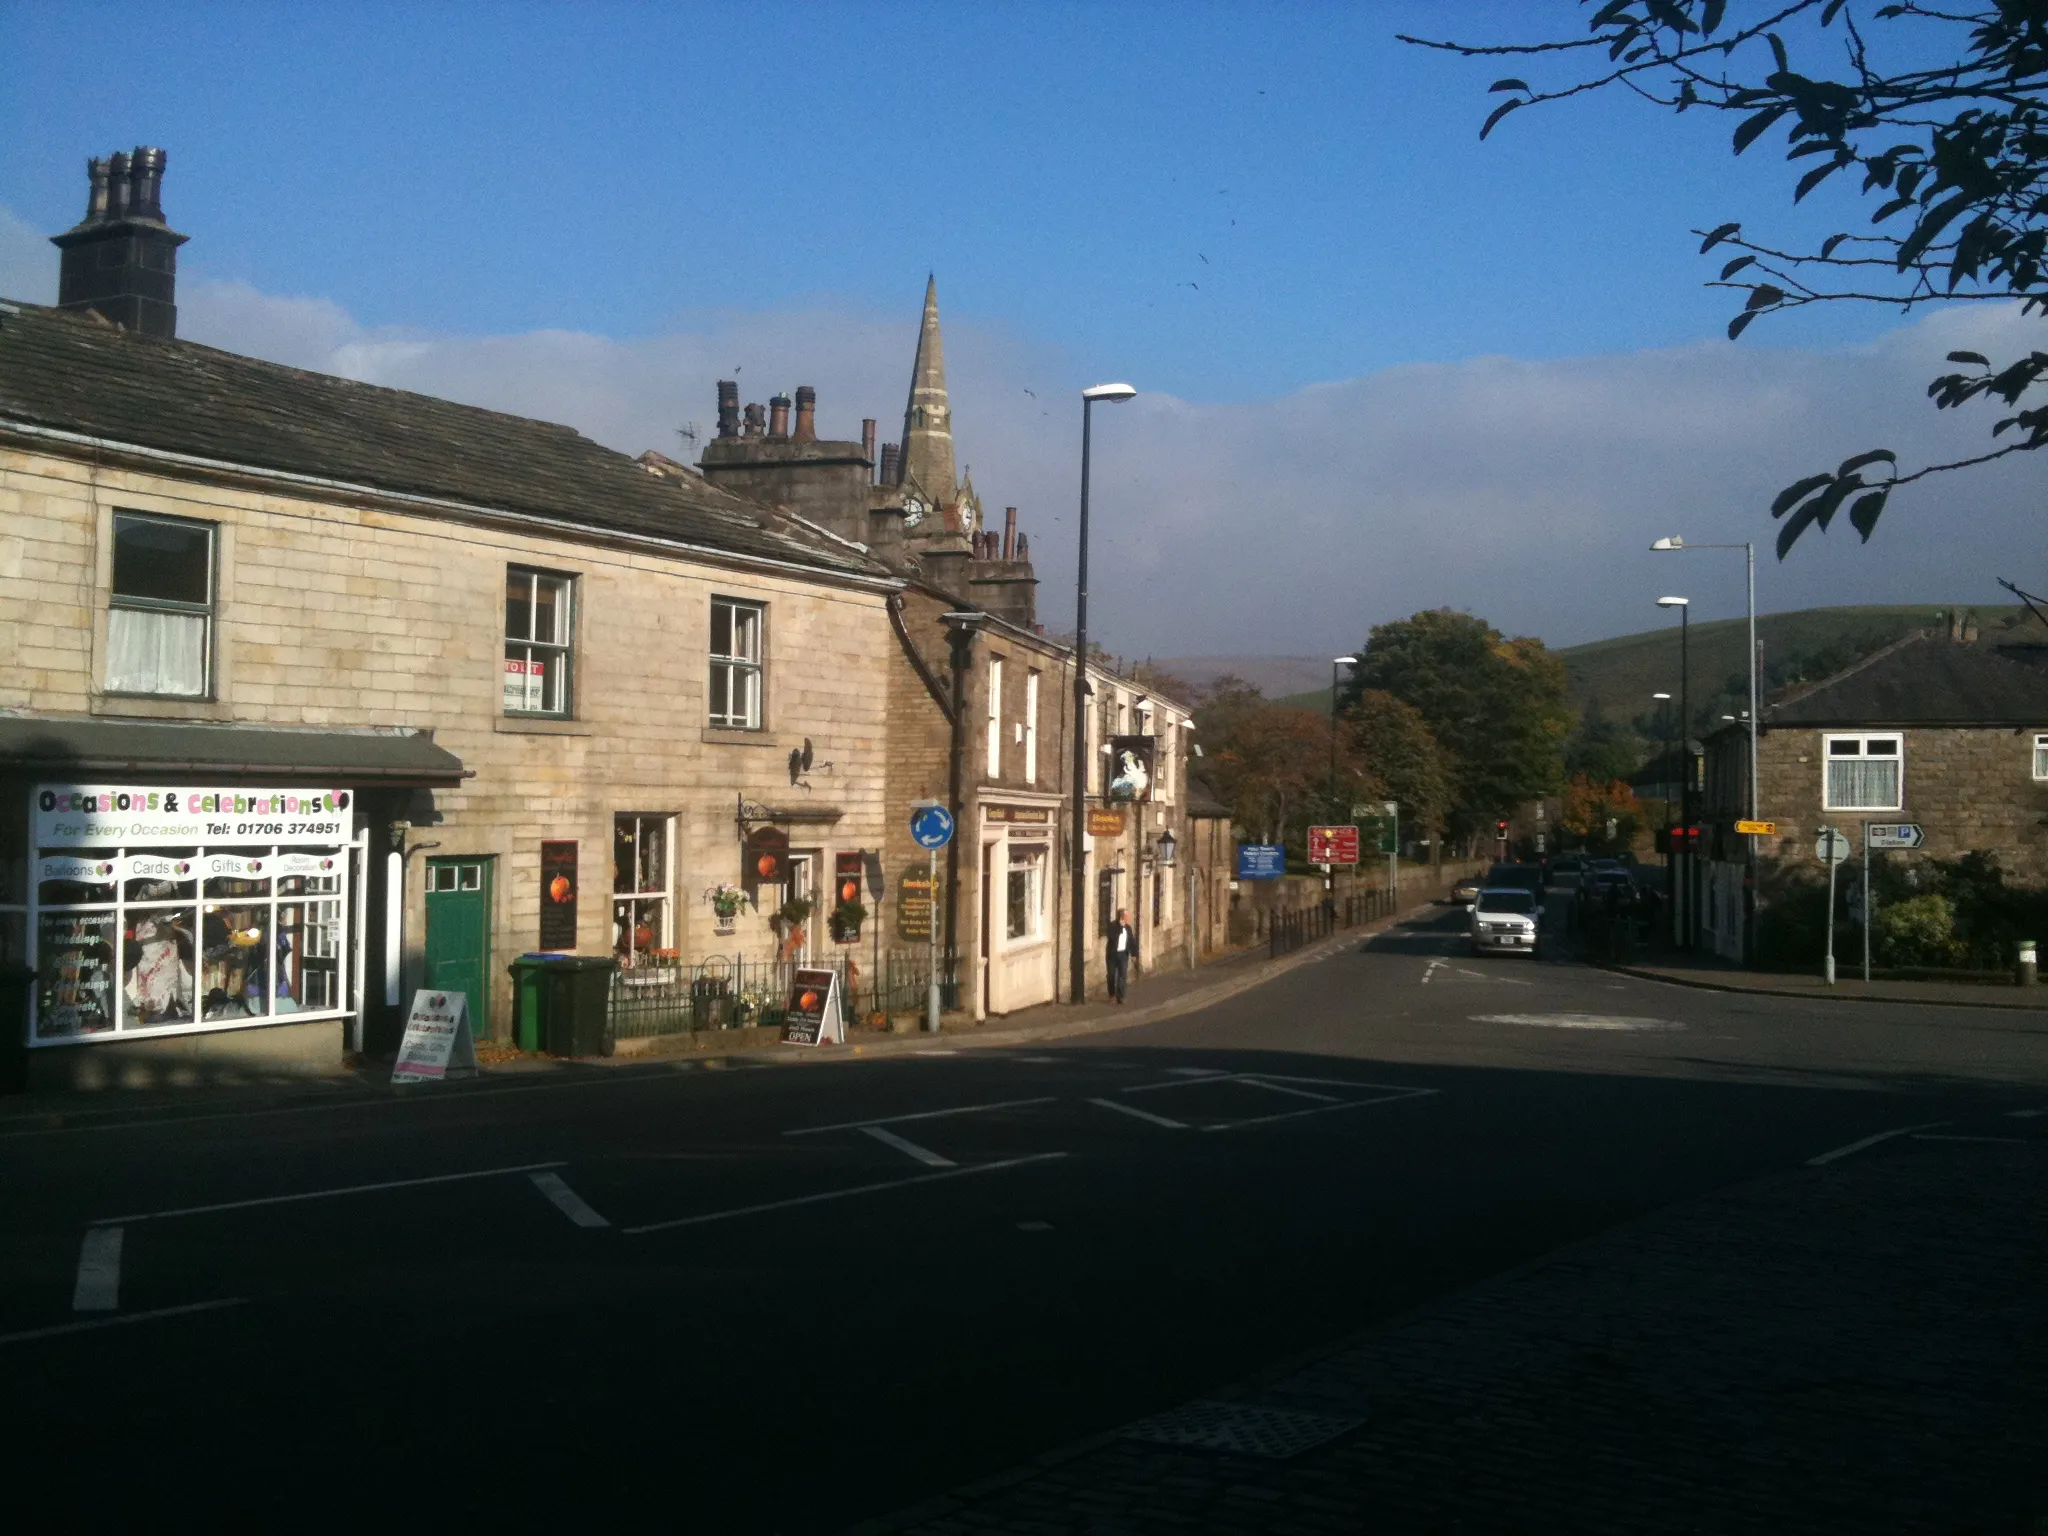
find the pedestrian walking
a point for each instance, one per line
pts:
(1123, 949)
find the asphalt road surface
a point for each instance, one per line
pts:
(784, 1300)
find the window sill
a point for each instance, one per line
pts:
(144, 706)
(718, 735)
(525, 725)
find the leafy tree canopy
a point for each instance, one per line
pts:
(1602, 749)
(1935, 111)
(1395, 753)
(1496, 706)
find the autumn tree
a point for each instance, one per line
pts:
(1604, 817)
(1270, 763)
(1495, 706)
(1394, 752)
(1932, 111)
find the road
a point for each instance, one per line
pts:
(784, 1300)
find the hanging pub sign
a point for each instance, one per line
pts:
(764, 858)
(1130, 767)
(558, 895)
(848, 910)
(1105, 821)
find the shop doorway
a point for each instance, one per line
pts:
(803, 886)
(458, 947)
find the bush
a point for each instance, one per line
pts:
(1918, 931)
(1792, 930)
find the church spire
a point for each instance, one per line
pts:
(927, 419)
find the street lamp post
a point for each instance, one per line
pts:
(1335, 663)
(1755, 801)
(1111, 393)
(1684, 607)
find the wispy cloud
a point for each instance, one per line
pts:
(1523, 490)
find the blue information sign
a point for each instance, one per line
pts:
(1261, 861)
(931, 826)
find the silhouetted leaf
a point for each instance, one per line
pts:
(1509, 85)
(1736, 266)
(1717, 235)
(1970, 357)
(1497, 114)
(1746, 134)
(1740, 323)
(1798, 491)
(1764, 295)
(1864, 514)
(1865, 460)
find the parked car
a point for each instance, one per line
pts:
(1466, 891)
(1506, 919)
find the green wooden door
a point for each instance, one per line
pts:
(459, 934)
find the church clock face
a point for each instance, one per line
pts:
(913, 512)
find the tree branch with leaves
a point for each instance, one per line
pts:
(1951, 139)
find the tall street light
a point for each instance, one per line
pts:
(1109, 394)
(1755, 803)
(1684, 607)
(1335, 663)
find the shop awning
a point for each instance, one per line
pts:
(76, 749)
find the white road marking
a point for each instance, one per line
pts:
(1870, 1141)
(2024, 1114)
(2010, 1141)
(566, 1200)
(843, 1194)
(1431, 969)
(926, 1114)
(1321, 1109)
(98, 1288)
(1196, 1072)
(116, 1322)
(1299, 1093)
(935, 1053)
(1039, 1061)
(324, 1194)
(1616, 1021)
(1265, 1079)
(1140, 1114)
(889, 1138)
(1034, 1226)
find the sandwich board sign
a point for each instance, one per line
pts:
(815, 1016)
(438, 1043)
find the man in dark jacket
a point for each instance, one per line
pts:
(1123, 949)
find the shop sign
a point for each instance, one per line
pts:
(138, 815)
(1130, 767)
(437, 1042)
(848, 869)
(1105, 823)
(75, 972)
(766, 858)
(1036, 815)
(89, 871)
(558, 895)
(227, 866)
(914, 906)
(814, 1016)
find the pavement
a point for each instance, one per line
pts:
(1395, 1239)
(1721, 976)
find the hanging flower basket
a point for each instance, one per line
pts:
(846, 920)
(726, 901)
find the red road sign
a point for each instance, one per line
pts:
(1333, 845)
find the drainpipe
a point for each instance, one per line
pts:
(960, 638)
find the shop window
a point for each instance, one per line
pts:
(1105, 901)
(736, 653)
(538, 626)
(1031, 727)
(150, 938)
(1026, 908)
(1864, 773)
(2041, 757)
(642, 932)
(160, 615)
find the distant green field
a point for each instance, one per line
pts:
(1621, 674)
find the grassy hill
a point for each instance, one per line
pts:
(1619, 675)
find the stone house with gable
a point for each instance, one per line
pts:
(1938, 729)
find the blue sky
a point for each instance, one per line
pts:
(1226, 204)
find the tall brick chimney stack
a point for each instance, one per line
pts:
(121, 259)
(867, 442)
(728, 408)
(892, 463)
(806, 414)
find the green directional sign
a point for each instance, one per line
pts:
(1379, 824)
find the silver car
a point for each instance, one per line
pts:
(1505, 920)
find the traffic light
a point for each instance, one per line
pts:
(1500, 827)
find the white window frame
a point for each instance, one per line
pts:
(205, 612)
(1863, 739)
(2041, 757)
(745, 674)
(1031, 726)
(1036, 860)
(995, 717)
(660, 897)
(559, 654)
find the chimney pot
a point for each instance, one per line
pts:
(117, 185)
(1009, 533)
(96, 191)
(867, 443)
(806, 414)
(146, 176)
(778, 416)
(728, 408)
(892, 463)
(756, 420)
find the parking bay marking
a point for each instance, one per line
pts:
(1870, 1141)
(889, 1138)
(566, 1200)
(1323, 1109)
(98, 1288)
(56, 1330)
(323, 1194)
(1141, 1114)
(841, 1194)
(927, 1114)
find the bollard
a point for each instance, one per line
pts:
(2028, 973)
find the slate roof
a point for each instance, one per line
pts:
(1926, 679)
(75, 747)
(76, 373)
